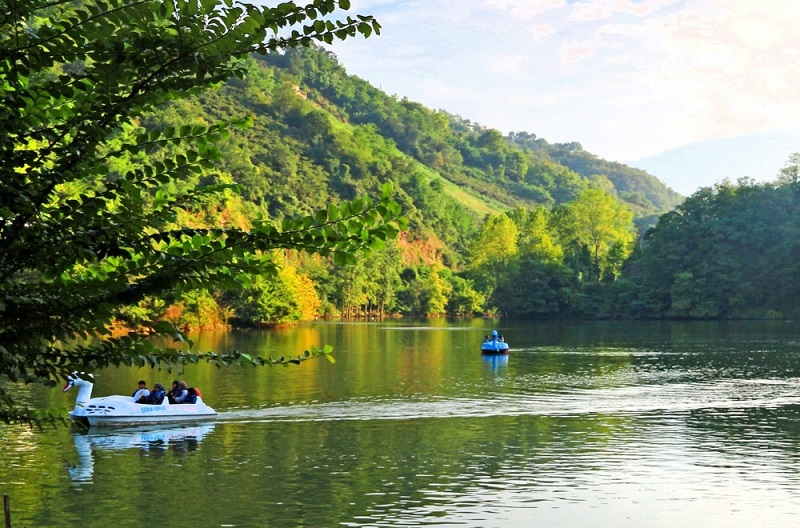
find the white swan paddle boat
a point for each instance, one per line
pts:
(118, 410)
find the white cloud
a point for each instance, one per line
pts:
(541, 31)
(625, 78)
(525, 9)
(506, 64)
(604, 9)
(576, 51)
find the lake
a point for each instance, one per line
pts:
(623, 424)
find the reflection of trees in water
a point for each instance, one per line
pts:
(391, 467)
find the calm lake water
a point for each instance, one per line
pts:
(584, 424)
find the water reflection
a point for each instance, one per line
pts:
(149, 439)
(620, 425)
(495, 362)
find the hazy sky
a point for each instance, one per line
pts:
(626, 79)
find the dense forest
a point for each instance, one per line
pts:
(501, 224)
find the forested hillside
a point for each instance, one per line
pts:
(318, 134)
(730, 251)
(314, 136)
(502, 224)
(517, 170)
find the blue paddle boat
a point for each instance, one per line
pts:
(494, 344)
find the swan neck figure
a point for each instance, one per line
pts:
(84, 390)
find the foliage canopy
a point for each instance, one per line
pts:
(75, 79)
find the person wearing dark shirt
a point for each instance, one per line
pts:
(191, 396)
(174, 392)
(157, 394)
(181, 393)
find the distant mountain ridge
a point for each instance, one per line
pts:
(689, 167)
(515, 170)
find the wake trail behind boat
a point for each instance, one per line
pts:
(674, 397)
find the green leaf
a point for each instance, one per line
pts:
(165, 327)
(334, 213)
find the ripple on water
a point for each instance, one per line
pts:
(666, 396)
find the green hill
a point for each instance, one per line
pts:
(316, 135)
(516, 170)
(320, 135)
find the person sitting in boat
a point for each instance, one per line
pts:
(157, 395)
(182, 393)
(191, 395)
(140, 395)
(175, 391)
